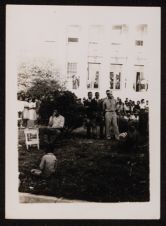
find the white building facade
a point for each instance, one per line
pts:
(94, 48)
(112, 57)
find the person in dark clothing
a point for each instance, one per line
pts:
(129, 140)
(89, 109)
(136, 108)
(98, 114)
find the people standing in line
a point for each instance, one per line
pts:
(88, 104)
(109, 109)
(98, 113)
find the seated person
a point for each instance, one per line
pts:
(55, 125)
(56, 121)
(129, 139)
(48, 164)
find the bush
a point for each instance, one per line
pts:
(67, 105)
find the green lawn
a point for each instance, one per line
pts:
(92, 170)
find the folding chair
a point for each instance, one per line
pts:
(31, 137)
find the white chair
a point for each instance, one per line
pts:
(31, 137)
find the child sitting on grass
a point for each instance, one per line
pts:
(48, 164)
(44, 177)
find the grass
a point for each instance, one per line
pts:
(92, 170)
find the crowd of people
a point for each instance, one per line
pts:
(103, 117)
(107, 117)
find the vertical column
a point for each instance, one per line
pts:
(82, 92)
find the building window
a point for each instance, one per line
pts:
(72, 75)
(73, 34)
(93, 75)
(141, 31)
(115, 76)
(139, 43)
(72, 39)
(140, 83)
(71, 68)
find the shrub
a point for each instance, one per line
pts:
(67, 104)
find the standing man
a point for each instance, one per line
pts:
(109, 109)
(98, 111)
(88, 104)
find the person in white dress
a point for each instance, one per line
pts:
(32, 113)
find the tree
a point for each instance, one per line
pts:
(37, 70)
(42, 80)
(67, 104)
(43, 87)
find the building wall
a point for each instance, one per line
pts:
(47, 38)
(108, 49)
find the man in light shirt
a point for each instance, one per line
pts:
(55, 125)
(56, 121)
(109, 109)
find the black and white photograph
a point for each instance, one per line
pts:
(82, 112)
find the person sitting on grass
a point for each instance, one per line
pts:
(48, 164)
(129, 140)
(44, 178)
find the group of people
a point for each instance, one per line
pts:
(105, 114)
(27, 111)
(102, 115)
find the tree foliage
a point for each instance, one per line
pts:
(35, 70)
(42, 81)
(43, 87)
(67, 104)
